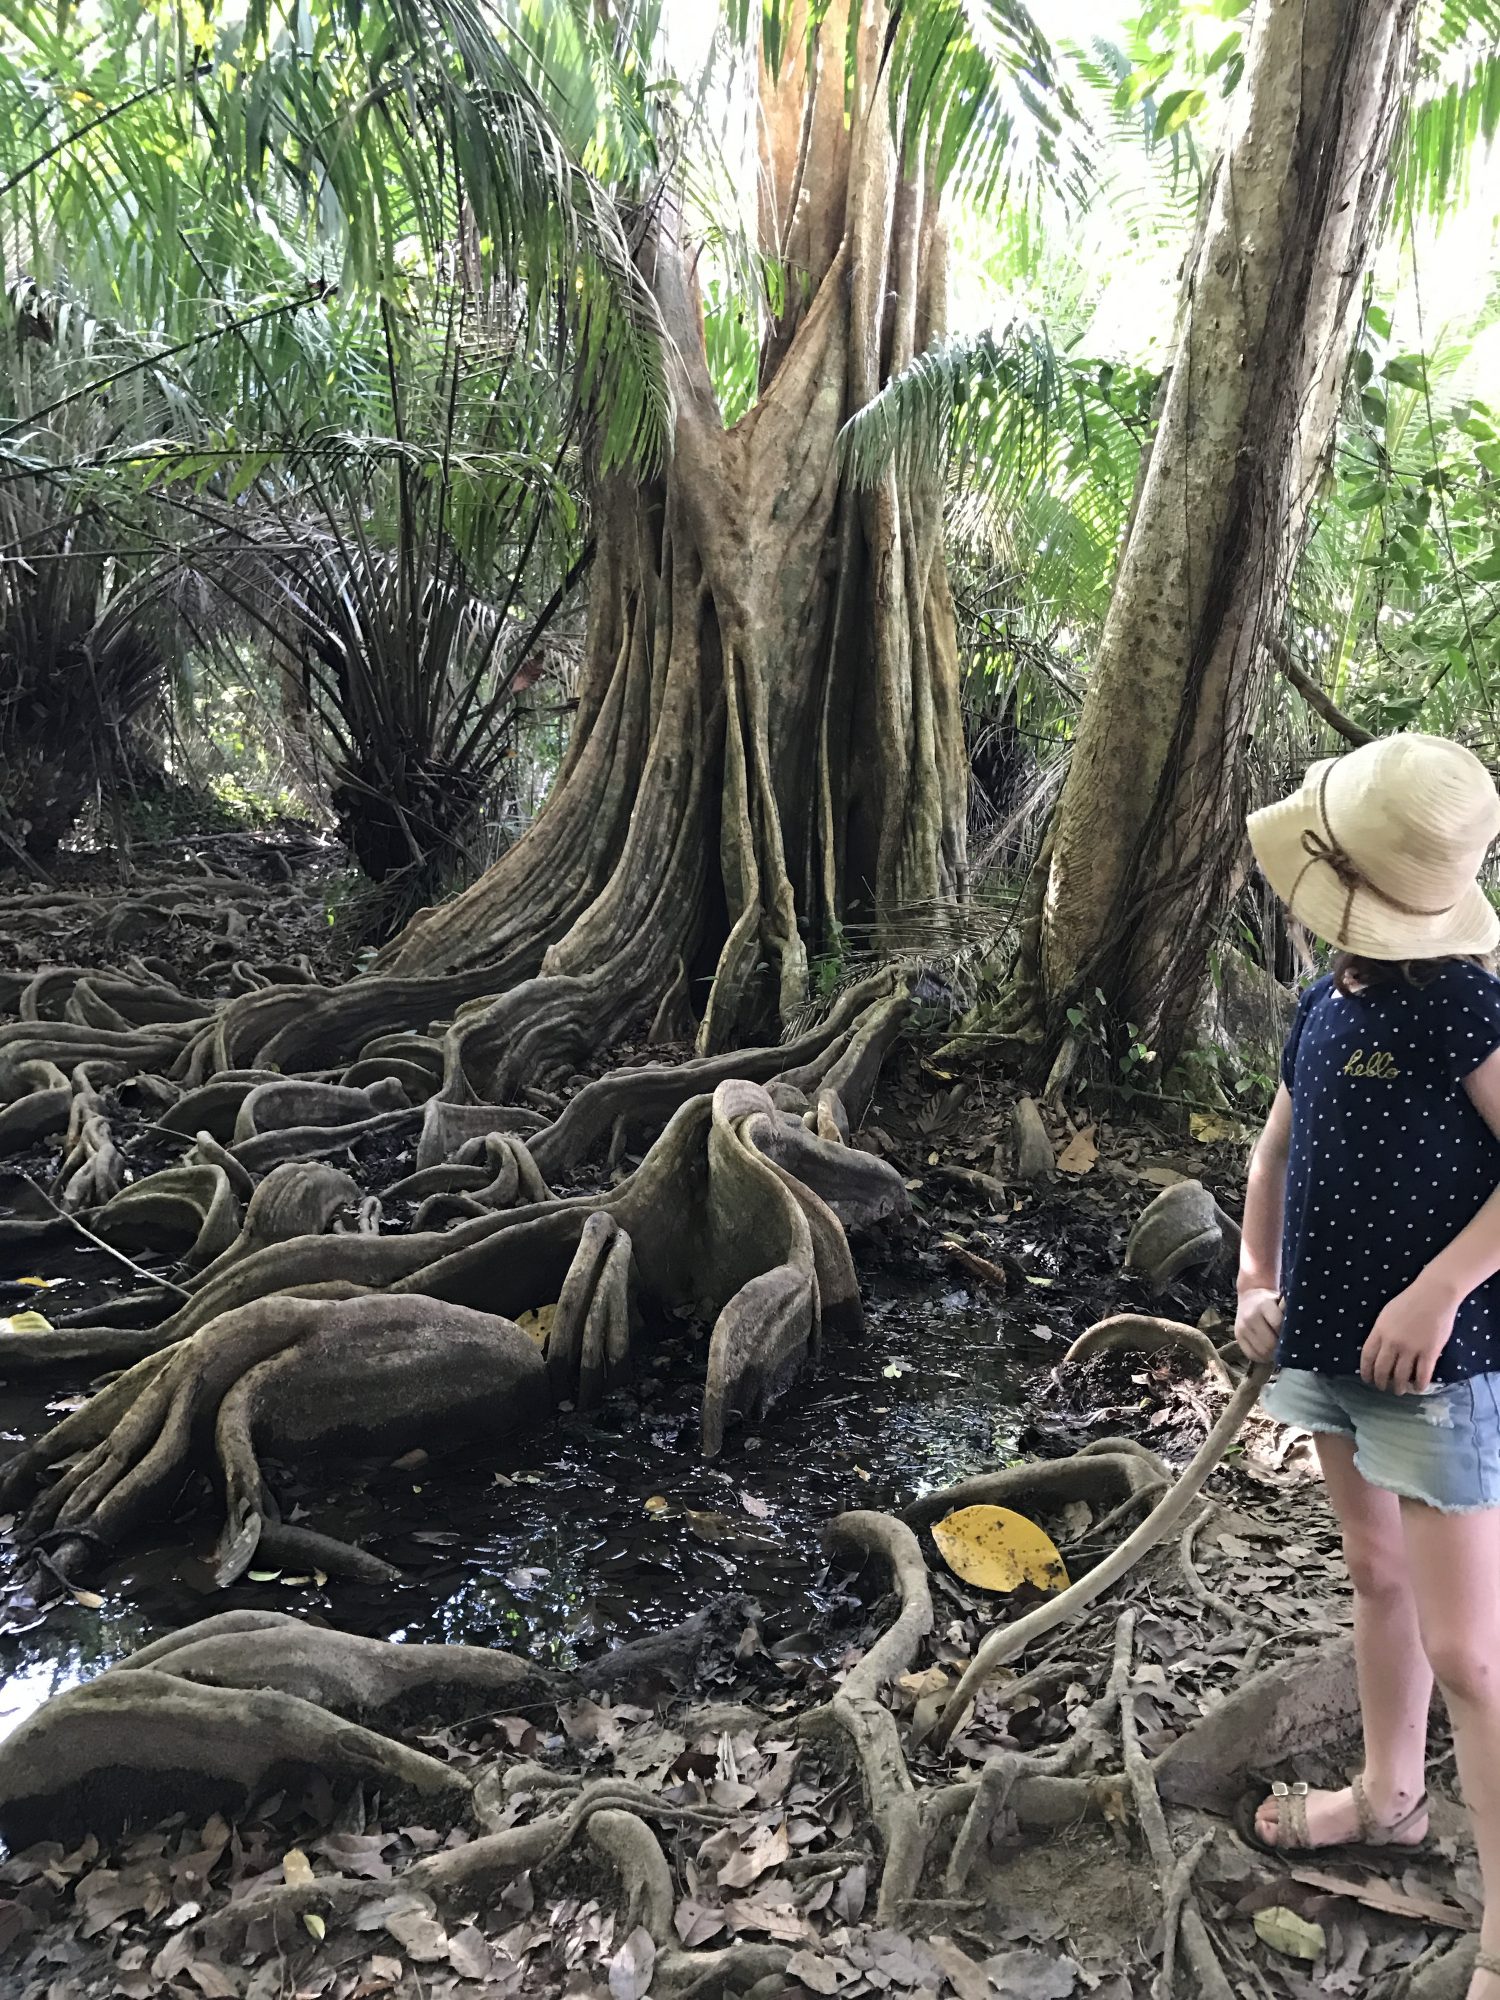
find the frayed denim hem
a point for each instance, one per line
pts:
(1404, 1492)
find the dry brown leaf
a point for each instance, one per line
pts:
(819, 1973)
(1381, 1894)
(470, 1955)
(421, 1937)
(766, 1849)
(931, 1680)
(631, 1968)
(1080, 1154)
(968, 1980)
(211, 1980)
(695, 1923)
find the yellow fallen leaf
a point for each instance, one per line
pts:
(25, 1322)
(262, 1575)
(42, 1284)
(320, 1577)
(1080, 1153)
(536, 1323)
(89, 1599)
(1208, 1128)
(314, 1925)
(658, 1504)
(996, 1549)
(296, 1869)
(1293, 1936)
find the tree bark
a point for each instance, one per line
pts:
(768, 735)
(1150, 823)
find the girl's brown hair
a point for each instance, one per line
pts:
(1354, 974)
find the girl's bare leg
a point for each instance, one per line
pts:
(1395, 1677)
(1455, 1567)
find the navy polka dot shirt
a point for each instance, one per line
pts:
(1389, 1161)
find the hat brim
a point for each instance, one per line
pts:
(1368, 926)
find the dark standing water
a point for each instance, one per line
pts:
(594, 1529)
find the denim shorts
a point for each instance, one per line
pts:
(1441, 1446)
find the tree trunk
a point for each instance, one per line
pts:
(1150, 824)
(768, 735)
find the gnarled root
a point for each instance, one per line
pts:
(634, 1852)
(277, 1374)
(1145, 1333)
(1011, 1640)
(1092, 1475)
(857, 1714)
(363, 1680)
(129, 1748)
(1183, 1228)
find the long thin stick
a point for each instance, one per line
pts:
(1010, 1640)
(100, 1244)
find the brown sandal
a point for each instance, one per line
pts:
(1293, 1837)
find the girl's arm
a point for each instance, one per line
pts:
(1258, 1321)
(1411, 1333)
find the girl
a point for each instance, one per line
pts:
(1369, 1268)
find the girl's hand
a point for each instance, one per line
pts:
(1257, 1323)
(1407, 1339)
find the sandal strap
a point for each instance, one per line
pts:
(1291, 1817)
(1376, 1832)
(1487, 1961)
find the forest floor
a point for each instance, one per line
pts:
(609, 1530)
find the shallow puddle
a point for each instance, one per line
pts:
(593, 1529)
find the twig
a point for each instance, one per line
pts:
(1179, 1888)
(100, 1244)
(1208, 1974)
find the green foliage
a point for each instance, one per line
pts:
(1398, 609)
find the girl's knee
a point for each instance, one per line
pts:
(1377, 1568)
(1464, 1666)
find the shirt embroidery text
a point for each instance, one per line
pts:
(1379, 1063)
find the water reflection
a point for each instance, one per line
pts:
(597, 1528)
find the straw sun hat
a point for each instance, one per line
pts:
(1378, 852)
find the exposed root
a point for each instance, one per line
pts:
(1274, 1717)
(1011, 1640)
(709, 1975)
(1144, 1333)
(1175, 1898)
(1092, 1475)
(126, 1748)
(869, 1727)
(1182, 1229)
(277, 1374)
(1208, 1974)
(634, 1853)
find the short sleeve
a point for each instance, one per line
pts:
(1470, 1030)
(1289, 1053)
